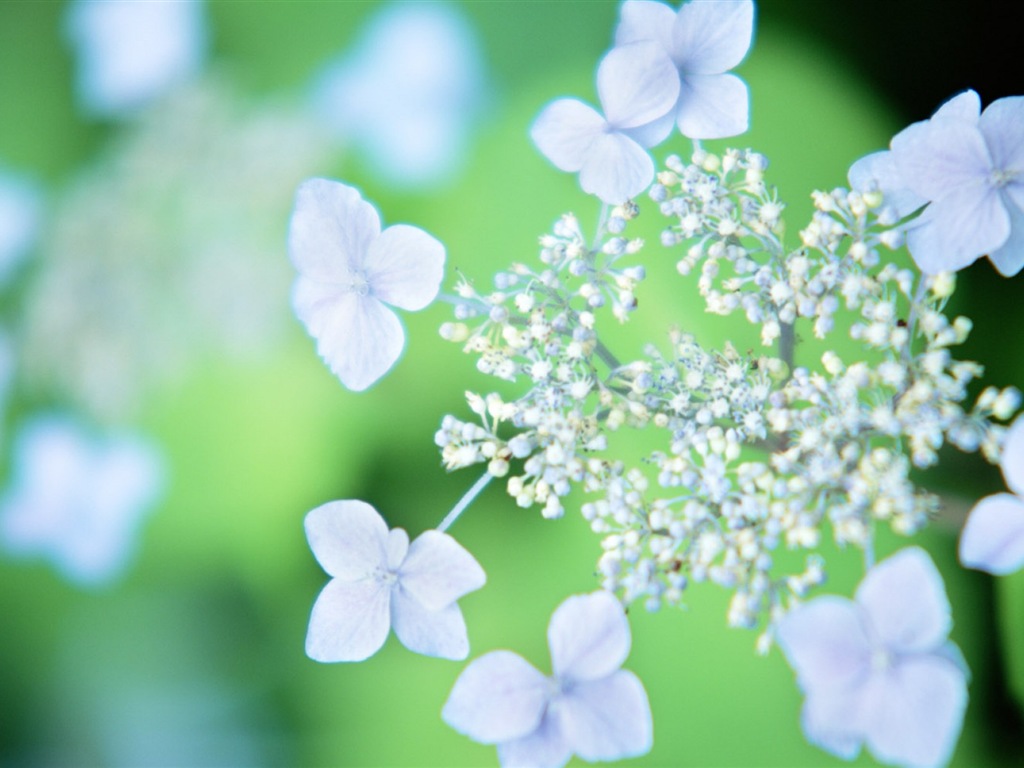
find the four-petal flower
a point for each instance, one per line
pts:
(589, 707)
(349, 271)
(880, 669)
(380, 581)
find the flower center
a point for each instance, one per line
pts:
(356, 282)
(385, 577)
(881, 659)
(1001, 177)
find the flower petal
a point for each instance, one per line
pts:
(953, 232)
(349, 621)
(906, 602)
(940, 155)
(545, 747)
(713, 106)
(588, 636)
(653, 133)
(397, 548)
(1009, 257)
(712, 37)
(1012, 460)
(641, 20)
(607, 719)
(404, 267)
(963, 106)
(915, 711)
(993, 537)
(1001, 123)
(498, 697)
(348, 538)
(438, 570)
(617, 169)
(357, 336)
(878, 171)
(832, 718)
(439, 633)
(825, 642)
(331, 230)
(637, 84)
(564, 131)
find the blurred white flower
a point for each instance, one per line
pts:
(20, 212)
(131, 51)
(409, 93)
(76, 500)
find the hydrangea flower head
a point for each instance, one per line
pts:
(993, 537)
(380, 580)
(590, 707)
(350, 271)
(704, 39)
(879, 670)
(131, 52)
(77, 501)
(636, 85)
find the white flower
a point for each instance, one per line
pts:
(993, 537)
(131, 52)
(636, 85)
(409, 115)
(380, 580)
(349, 271)
(705, 40)
(879, 669)
(78, 501)
(20, 214)
(589, 707)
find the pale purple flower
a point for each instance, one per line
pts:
(129, 53)
(636, 84)
(349, 271)
(380, 581)
(880, 670)
(77, 500)
(589, 707)
(993, 537)
(705, 39)
(408, 94)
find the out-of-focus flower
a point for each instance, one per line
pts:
(380, 581)
(20, 212)
(590, 707)
(705, 39)
(78, 501)
(409, 93)
(993, 537)
(130, 52)
(636, 84)
(880, 670)
(349, 271)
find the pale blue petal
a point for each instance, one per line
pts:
(832, 718)
(588, 636)
(825, 642)
(916, 711)
(713, 107)
(617, 169)
(637, 84)
(953, 232)
(357, 336)
(652, 134)
(607, 719)
(330, 231)
(1009, 257)
(440, 633)
(963, 106)
(438, 570)
(348, 538)
(546, 747)
(878, 171)
(404, 267)
(937, 157)
(1002, 124)
(641, 20)
(993, 537)
(349, 621)
(712, 36)
(498, 697)
(1012, 460)
(905, 600)
(564, 131)
(20, 218)
(397, 547)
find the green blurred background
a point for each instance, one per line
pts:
(195, 656)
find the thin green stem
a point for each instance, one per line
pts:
(465, 501)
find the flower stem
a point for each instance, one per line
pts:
(465, 501)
